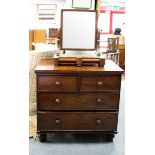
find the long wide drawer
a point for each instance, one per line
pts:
(77, 101)
(57, 83)
(89, 121)
(100, 83)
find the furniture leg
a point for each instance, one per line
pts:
(42, 137)
(110, 137)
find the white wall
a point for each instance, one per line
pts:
(61, 4)
(34, 23)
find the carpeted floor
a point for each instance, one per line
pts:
(69, 144)
(32, 126)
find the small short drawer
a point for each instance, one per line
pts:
(57, 83)
(78, 101)
(100, 83)
(77, 121)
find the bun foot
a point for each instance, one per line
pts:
(42, 137)
(110, 137)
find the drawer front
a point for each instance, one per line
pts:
(58, 83)
(77, 101)
(100, 83)
(88, 121)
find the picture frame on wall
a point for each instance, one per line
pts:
(83, 4)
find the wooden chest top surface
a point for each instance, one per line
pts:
(47, 66)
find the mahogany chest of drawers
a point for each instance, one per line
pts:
(77, 99)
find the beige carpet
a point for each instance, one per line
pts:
(32, 120)
(32, 126)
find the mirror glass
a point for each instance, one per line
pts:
(78, 29)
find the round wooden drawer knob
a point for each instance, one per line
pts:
(99, 100)
(99, 84)
(57, 121)
(57, 100)
(57, 83)
(98, 121)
